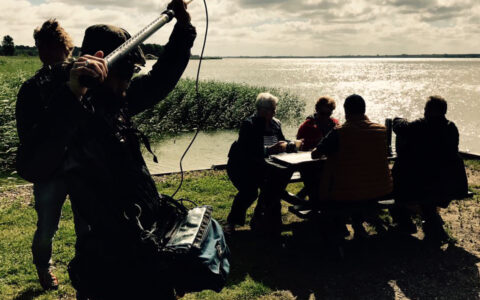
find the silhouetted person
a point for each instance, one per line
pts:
(428, 168)
(318, 125)
(54, 48)
(106, 169)
(311, 132)
(357, 165)
(260, 136)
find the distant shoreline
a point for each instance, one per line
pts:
(369, 56)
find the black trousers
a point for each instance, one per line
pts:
(271, 180)
(247, 181)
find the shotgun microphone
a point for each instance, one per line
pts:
(125, 48)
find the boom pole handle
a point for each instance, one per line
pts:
(133, 42)
(139, 37)
(130, 44)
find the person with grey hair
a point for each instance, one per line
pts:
(260, 136)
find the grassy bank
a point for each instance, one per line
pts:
(219, 106)
(302, 264)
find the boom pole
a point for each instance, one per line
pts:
(141, 36)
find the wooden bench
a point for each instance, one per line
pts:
(304, 210)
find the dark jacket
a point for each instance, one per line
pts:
(104, 162)
(428, 163)
(249, 151)
(37, 159)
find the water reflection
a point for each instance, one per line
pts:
(209, 149)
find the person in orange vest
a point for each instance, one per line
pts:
(357, 167)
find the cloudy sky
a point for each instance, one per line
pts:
(275, 27)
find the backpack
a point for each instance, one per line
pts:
(195, 249)
(199, 251)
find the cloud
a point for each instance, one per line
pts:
(276, 27)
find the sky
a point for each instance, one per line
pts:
(274, 27)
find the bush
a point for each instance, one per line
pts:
(219, 106)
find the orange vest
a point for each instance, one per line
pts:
(359, 170)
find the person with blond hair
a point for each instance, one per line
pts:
(55, 48)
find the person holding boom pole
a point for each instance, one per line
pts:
(106, 175)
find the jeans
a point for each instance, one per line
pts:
(49, 199)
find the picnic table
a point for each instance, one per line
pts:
(303, 208)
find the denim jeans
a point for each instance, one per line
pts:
(49, 199)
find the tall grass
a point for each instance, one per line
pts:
(219, 106)
(13, 72)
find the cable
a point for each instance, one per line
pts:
(197, 97)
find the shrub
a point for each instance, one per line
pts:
(219, 106)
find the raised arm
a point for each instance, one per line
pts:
(147, 90)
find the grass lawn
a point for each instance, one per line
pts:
(301, 264)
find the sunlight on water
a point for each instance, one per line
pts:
(391, 87)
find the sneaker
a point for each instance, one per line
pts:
(48, 281)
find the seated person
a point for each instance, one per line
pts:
(260, 136)
(318, 125)
(357, 165)
(311, 132)
(428, 168)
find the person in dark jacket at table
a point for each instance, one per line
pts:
(106, 174)
(55, 47)
(260, 136)
(428, 168)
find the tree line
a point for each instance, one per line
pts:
(8, 48)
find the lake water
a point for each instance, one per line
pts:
(391, 87)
